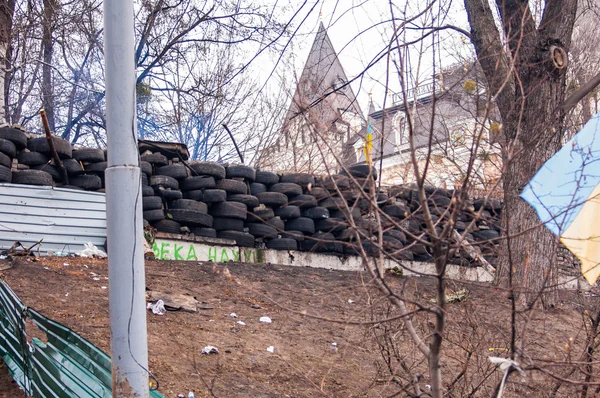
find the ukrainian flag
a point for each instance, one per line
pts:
(369, 142)
(565, 193)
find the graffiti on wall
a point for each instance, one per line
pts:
(188, 251)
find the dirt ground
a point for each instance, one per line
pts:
(311, 309)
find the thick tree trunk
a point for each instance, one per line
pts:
(7, 9)
(50, 8)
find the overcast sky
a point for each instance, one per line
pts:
(346, 19)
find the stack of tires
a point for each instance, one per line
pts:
(12, 140)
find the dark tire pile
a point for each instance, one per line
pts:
(289, 211)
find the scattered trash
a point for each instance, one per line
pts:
(498, 349)
(209, 349)
(96, 278)
(191, 395)
(85, 265)
(67, 295)
(265, 319)
(66, 264)
(103, 287)
(61, 254)
(334, 346)
(241, 323)
(157, 308)
(91, 251)
(180, 396)
(350, 301)
(46, 268)
(3, 257)
(271, 349)
(428, 386)
(255, 306)
(457, 297)
(233, 315)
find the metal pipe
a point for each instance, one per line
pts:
(129, 339)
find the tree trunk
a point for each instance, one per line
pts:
(7, 9)
(50, 8)
(530, 91)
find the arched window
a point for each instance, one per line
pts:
(399, 129)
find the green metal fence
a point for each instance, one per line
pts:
(66, 365)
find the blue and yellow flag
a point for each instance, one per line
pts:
(565, 193)
(368, 142)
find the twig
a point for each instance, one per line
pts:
(59, 164)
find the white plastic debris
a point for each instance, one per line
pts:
(265, 319)
(334, 346)
(505, 364)
(67, 295)
(66, 264)
(91, 251)
(209, 349)
(241, 323)
(96, 278)
(350, 301)
(85, 265)
(271, 349)
(233, 315)
(3, 257)
(157, 308)
(103, 287)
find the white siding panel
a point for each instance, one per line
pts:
(65, 219)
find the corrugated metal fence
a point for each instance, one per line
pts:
(65, 219)
(66, 365)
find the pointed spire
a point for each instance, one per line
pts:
(371, 105)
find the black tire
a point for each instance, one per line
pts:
(262, 230)
(96, 168)
(319, 193)
(391, 244)
(152, 203)
(485, 234)
(331, 182)
(168, 226)
(240, 171)
(164, 181)
(169, 194)
(229, 210)
(214, 196)
(91, 155)
(302, 224)
(8, 148)
(382, 199)
(5, 160)
(296, 235)
(50, 169)
(5, 174)
(286, 188)
(32, 177)
(266, 177)
(232, 187)
(273, 199)
(303, 179)
(282, 244)
(260, 215)
(189, 217)
(153, 216)
(205, 232)
(316, 213)
(362, 171)
(319, 242)
(15, 136)
(276, 223)
(147, 191)
(399, 211)
(72, 166)
(40, 144)
(287, 212)
(188, 204)
(349, 234)
(32, 158)
(241, 238)
(144, 178)
(303, 201)
(71, 187)
(231, 224)
(89, 182)
(177, 171)
(417, 249)
(332, 225)
(195, 183)
(394, 233)
(249, 200)
(257, 187)
(146, 168)
(333, 203)
(208, 168)
(194, 195)
(156, 159)
(354, 213)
